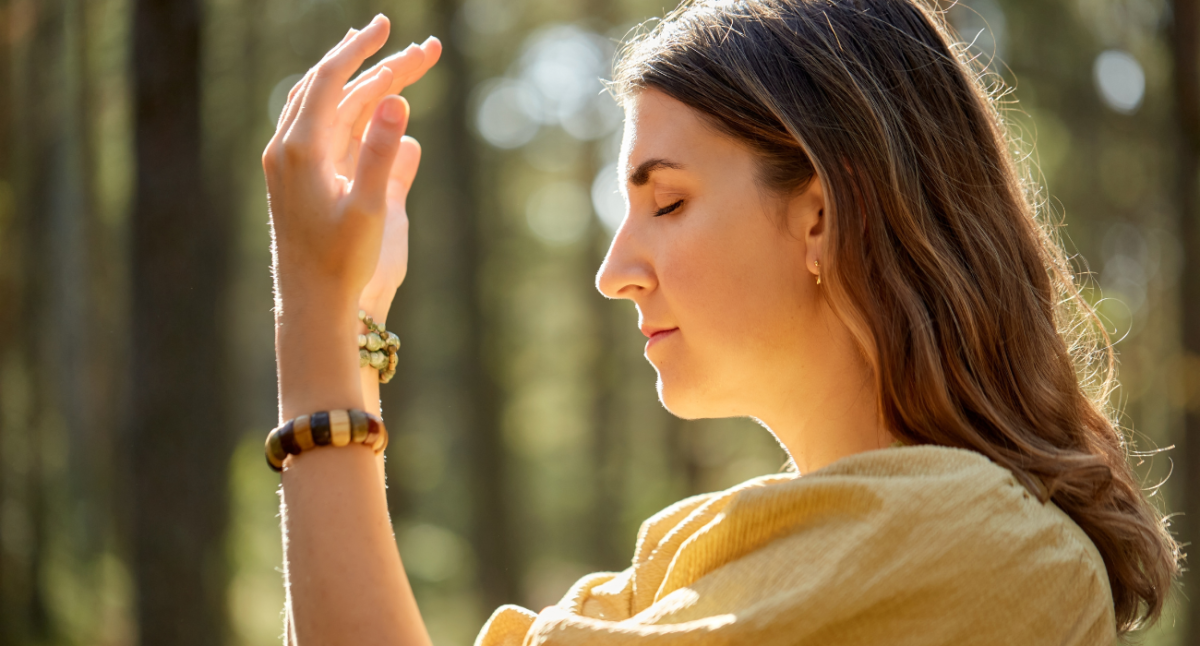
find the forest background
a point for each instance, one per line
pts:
(136, 352)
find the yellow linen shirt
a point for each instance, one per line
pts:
(899, 546)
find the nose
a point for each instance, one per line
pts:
(627, 270)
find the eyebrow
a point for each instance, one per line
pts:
(641, 175)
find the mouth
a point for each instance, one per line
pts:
(655, 336)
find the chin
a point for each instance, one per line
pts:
(681, 401)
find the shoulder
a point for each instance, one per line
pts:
(904, 546)
(962, 499)
(937, 528)
(930, 544)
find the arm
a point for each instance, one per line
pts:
(345, 579)
(337, 173)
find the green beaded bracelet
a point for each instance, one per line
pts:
(325, 428)
(377, 348)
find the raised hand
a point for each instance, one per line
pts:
(392, 75)
(338, 171)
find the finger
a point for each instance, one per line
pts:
(403, 77)
(351, 33)
(408, 159)
(291, 106)
(433, 53)
(431, 50)
(368, 92)
(325, 91)
(401, 63)
(379, 148)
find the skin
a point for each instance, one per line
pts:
(730, 272)
(725, 287)
(338, 171)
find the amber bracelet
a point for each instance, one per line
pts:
(326, 428)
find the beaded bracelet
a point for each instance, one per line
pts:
(377, 348)
(326, 428)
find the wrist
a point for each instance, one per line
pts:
(317, 353)
(375, 307)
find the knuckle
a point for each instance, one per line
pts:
(358, 210)
(295, 149)
(379, 146)
(269, 156)
(296, 88)
(361, 209)
(324, 70)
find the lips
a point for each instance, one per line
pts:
(651, 332)
(656, 335)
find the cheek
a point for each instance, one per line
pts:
(737, 300)
(738, 288)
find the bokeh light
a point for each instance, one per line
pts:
(1120, 80)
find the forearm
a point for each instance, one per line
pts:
(345, 580)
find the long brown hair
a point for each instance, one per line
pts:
(957, 293)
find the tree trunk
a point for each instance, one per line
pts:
(36, 184)
(11, 294)
(181, 441)
(491, 513)
(610, 550)
(1185, 44)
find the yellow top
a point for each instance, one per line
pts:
(914, 545)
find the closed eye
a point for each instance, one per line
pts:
(667, 209)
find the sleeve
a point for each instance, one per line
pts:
(835, 585)
(923, 566)
(602, 595)
(506, 627)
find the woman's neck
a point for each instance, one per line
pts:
(822, 415)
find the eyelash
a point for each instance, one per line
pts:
(667, 209)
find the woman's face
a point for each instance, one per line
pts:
(723, 274)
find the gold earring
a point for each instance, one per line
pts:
(817, 264)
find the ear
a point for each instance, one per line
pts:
(807, 223)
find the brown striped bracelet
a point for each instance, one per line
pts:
(326, 428)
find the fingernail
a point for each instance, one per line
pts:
(390, 112)
(377, 19)
(426, 42)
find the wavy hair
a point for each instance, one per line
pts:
(956, 291)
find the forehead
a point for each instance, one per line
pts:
(658, 126)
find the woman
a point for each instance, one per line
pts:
(825, 231)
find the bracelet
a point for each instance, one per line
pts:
(377, 348)
(326, 428)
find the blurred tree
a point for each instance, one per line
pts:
(608, 550)
(180, 433)
(491, 512)
(10, 297)
(35, 35)
(1185, 46)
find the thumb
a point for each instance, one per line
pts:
(379, 147)
(404, 169)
